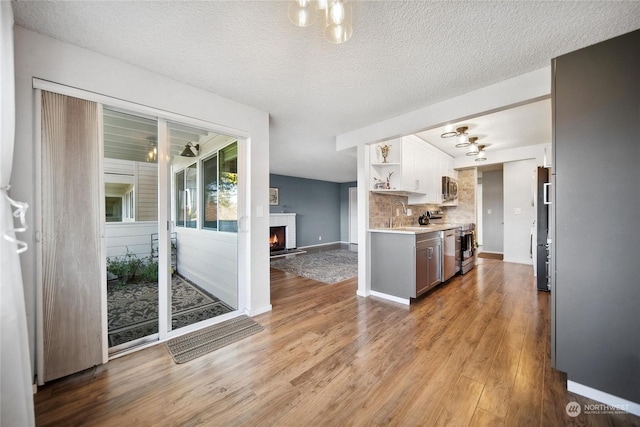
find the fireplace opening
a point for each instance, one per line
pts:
(277, 239)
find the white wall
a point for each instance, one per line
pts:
(207, 258)
(48, 59)
(518, 212)
(135, 237)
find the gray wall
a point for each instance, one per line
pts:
(317, 205)
(492, 201)
(595, 291)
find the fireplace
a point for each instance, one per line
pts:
(278, 238)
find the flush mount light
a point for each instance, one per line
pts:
(337, 14)
(473, 146)
(189, 150)
(462, 130)
(482, 155)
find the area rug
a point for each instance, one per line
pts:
(326, 267)
(133, 308)
(198, 343)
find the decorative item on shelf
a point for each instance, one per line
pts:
(389, 180)
(473, 146)
(482, 155)
(379, 184)
(337, 14)
(384, 150)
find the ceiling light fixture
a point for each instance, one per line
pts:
(337, 13)
(152, 149)
(189, 150)
(473, 146)
(482, 155)
(462, 135)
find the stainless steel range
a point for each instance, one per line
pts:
(466, 233)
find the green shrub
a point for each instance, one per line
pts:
(125, 267)
(149, 271)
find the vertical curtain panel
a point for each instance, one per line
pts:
(71, 235)
(16, 396)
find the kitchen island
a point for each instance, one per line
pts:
(406, 262)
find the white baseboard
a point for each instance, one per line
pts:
(404, 301)
(321, 244)
(260, 310)
(613, 402)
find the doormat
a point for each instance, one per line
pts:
(198, 343)
(489, 255)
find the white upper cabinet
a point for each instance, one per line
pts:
(413, 168)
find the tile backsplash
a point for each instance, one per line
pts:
(465, 212)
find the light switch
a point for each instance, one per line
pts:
(488, 211)
(259, 211)
(517, 211)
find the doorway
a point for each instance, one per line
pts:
(353, 215)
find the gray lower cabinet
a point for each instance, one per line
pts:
(428, 265)
(405, 265)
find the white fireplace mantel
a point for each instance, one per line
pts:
(287, 220)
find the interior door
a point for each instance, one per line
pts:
(70, 244)
(353, 215)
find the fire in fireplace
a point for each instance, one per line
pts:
(277, 239)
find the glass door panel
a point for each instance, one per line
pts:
(204, 187)
(131, 228)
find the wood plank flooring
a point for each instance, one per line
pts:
(472, 352)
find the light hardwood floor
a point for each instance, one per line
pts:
(474, 351)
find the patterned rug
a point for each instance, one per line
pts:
(133, 308)
(203, 341)
(326, 267)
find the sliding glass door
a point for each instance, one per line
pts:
(204, 224)
(199, 249)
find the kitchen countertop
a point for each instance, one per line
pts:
(417, 229)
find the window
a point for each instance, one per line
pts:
(228, 203)
(187, 197)
(219, 195)
(113, 209)
(210, 192)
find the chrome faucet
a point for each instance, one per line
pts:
(404, 211)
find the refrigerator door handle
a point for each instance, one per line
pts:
(546, 198)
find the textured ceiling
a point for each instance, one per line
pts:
(403, 55)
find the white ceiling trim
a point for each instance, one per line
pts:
(525, 88)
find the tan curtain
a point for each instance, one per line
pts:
(71, 235)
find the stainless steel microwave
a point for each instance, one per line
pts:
(449, 189)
